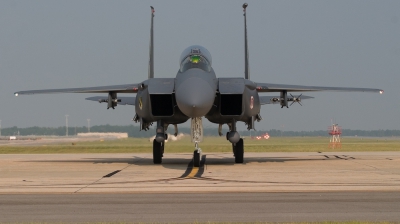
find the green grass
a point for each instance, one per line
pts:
(210, 144)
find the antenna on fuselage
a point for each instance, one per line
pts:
(151, 50)
(246, 49)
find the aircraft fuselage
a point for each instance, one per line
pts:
(197, 92)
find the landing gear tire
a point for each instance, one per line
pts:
(196, 158)
(157, 152)
(162, 149)
(238, 150)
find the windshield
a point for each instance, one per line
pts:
(195, 57)
(195, 61)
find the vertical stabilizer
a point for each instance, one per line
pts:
(246, 49)
(151, 48)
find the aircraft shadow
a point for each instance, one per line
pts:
(182, 163)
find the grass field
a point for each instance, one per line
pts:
(211, 144)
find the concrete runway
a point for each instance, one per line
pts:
(261, 172)
(267, 187)
(202, 207)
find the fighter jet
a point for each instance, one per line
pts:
(196, 92)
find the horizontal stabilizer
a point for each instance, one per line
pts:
(276, 99)
(121, 100)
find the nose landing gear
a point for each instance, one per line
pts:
(196, 136)
(196, 155)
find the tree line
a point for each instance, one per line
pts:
(133, 131)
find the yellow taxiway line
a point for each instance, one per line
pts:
(193, 172)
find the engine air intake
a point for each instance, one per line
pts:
(231, 104)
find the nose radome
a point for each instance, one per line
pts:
(195, 97)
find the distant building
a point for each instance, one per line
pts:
(170, 137)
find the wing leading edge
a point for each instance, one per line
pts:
(269, 87)
(127, 88)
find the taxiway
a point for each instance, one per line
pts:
(274, 187)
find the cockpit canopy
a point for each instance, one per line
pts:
(195, 57)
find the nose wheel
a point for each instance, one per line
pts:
(238, 151)
(196, 156)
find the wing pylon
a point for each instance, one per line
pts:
(124, 100)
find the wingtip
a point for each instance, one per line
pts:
(381, 91)
(16, 94)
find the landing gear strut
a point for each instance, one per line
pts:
(196, 136)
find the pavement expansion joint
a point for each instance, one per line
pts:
(88, 185)
(112, 173)
(105, 176)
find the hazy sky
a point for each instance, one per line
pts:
(63, 44)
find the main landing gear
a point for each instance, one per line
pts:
(237, 142)
(159, 142)
(238, 151)
(158, 151)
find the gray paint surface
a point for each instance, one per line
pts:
(66, 44)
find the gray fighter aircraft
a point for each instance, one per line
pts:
(194, 93)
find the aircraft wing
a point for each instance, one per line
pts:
(126, 88)
(269, 87)
(275, 99)
(124, 100)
